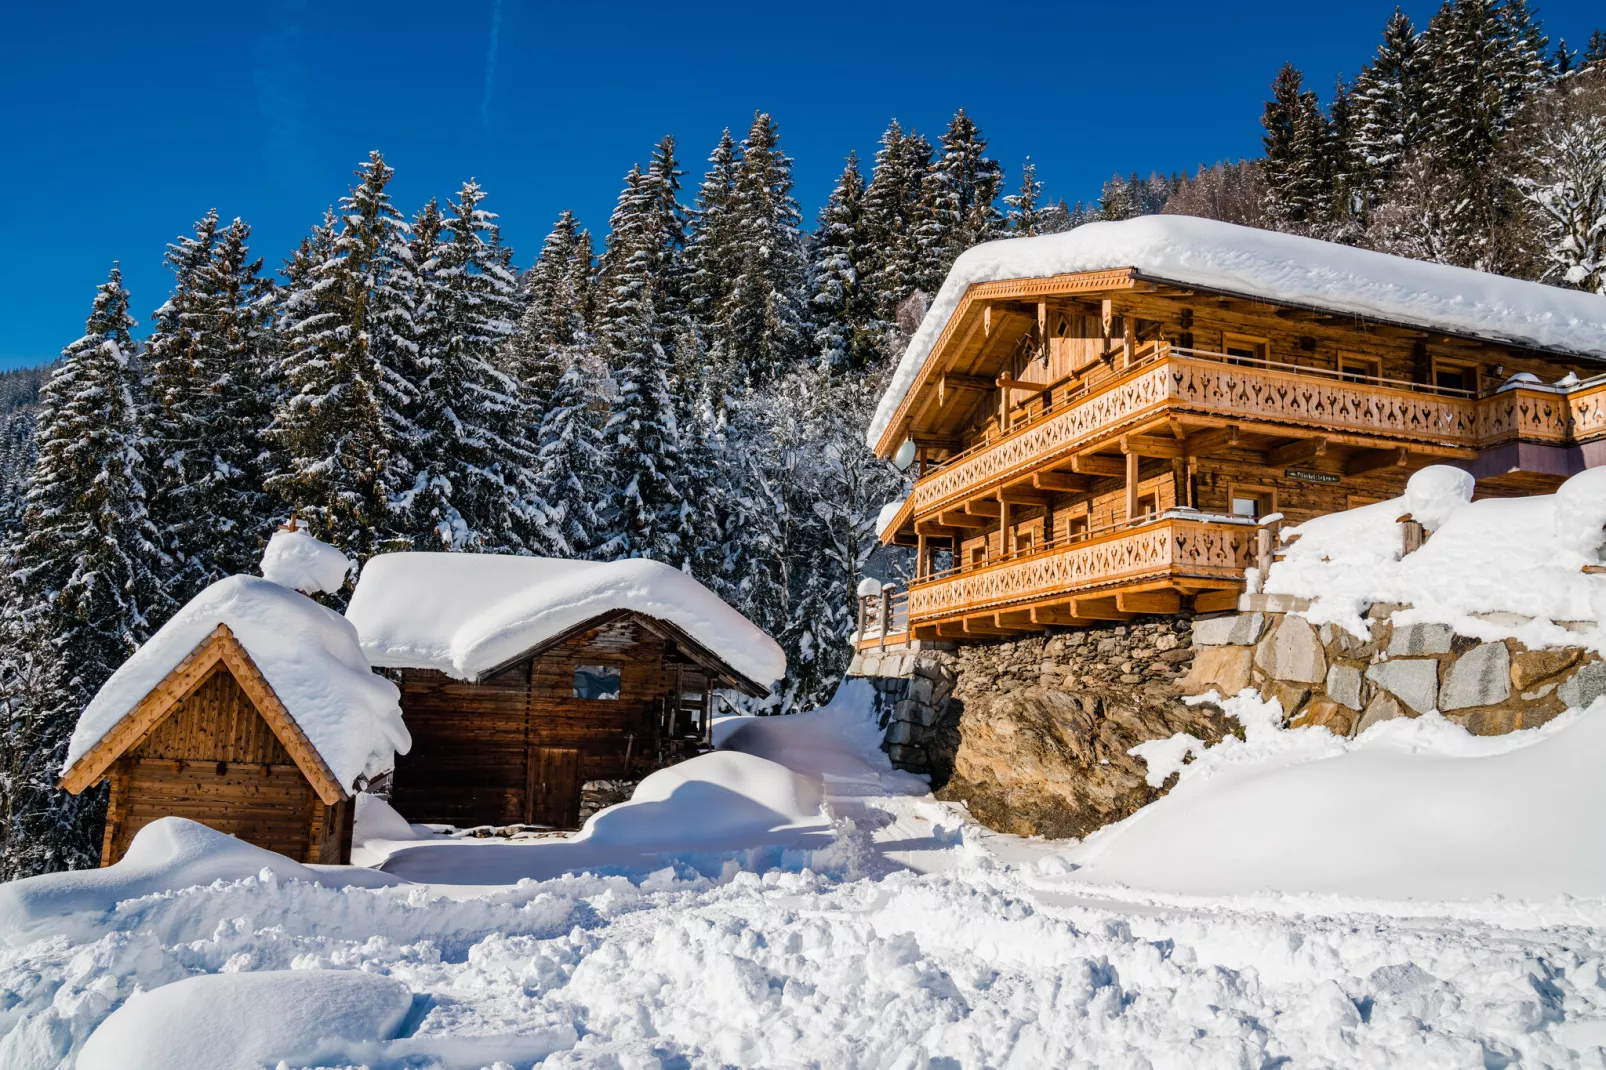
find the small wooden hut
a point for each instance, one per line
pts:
(200, 730)
(522, 678)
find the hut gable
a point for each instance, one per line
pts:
(213, 706)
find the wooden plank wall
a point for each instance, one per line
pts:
(214, 760)
(473, 755)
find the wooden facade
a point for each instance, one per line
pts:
(212, 743)
(516, 745)
(1096, 445)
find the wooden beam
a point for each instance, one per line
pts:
(1366, 461)
(1299, 315)
(1059, 481)
(928, 631)
(1298, 452)
(961, 519)
(951, 384)
(935, 528)
(1099, 607)
(1061, 615)
(984, 625)
(1215, 601)
(1148, 602)
(1150, 446)
(1204, 443)
(951, 629)
(984, 507)
(1021, 496)
(1016, 619)
(1092, 464)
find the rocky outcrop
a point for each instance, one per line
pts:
(1033, 733)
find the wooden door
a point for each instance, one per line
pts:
(554, 788)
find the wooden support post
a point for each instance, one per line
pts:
(864, 606)
(1042, 330)
(1264, 541)
(1107, 323)
(921, 565)
(1132, 460)
(886, 613)
(1412, 534)
(1005, 546)
(1129, 339)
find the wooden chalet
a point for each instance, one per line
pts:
(1096, 443)
(213, 742)
(522, 678)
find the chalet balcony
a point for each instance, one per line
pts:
(1145, 566)
(1189, 390)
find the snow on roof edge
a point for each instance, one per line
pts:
(1287, 268)
(466, 614)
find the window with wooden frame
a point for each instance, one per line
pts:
(1076, 524)
(978, 555)
(1148, 504)
(1354, 368)
(1449, 374)
(597, 682)
(1245, 347)
(1027, 535)
(1250, 500)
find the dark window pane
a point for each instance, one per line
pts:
(596, 682)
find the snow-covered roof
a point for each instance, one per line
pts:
(308, 654)
(465, 614)
(1284, 268)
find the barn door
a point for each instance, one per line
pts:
(554, 789)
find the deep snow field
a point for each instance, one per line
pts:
(791, 901)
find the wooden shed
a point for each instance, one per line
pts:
(523, 678)
(211, 739)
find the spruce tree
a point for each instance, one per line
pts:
(349, 353)
(894, 210)
(469, 467)
(1297, 162)
(711, 254)
(1024, 215)
(960, 192)
(846, 331)
(764, 319)
(81, 584)
(1387, 107)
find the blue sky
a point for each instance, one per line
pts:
(123, 123)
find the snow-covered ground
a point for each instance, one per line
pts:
(792, 901)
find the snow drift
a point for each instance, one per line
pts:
(300, 562)
(309, 656)
(1499, 555)
(242, 1021)
(1285, 268)
(464, 614)
(1414, 808)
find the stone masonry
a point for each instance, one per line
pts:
(1033, 733)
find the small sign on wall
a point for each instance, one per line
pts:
(1310, 477)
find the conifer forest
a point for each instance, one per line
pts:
(688, 380)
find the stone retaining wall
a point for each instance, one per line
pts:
(1326, 676)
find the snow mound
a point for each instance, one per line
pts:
(1285, 268)
(720, 799)
(296, 560)
(1411, 809)
(838, 744)
(464, 614)
(242, 1021)
(1521, 556)
(168, 854)
(309, 656)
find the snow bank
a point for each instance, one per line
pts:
(296, 560)
(1501, 555)
(838, 744)
(1285, 268)
(724, 799)
(309, 656)
(168, 854)
(242, 1021)
(464, 614)
(1411, 809)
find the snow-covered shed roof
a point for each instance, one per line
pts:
(306, 653)
(466, 614)
(1283, 268)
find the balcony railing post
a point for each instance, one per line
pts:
(886, 612)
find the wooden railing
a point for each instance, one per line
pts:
(1149, 548)
(883, 619)
(1169, 378)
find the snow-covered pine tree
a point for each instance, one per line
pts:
(1565, 187)
(176, 418)
(641, 442)
(470, 466)
(960, 192)
(893, 213)
(711, 253)
(1594, 58)
(557, 305)
(571, 469)
(1024, 214)
(1298, 178)
(81, 581)
(764, 312)
(348, 353)
(846, 331)
(1388, 107)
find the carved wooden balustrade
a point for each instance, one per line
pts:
(1168, 548)
(1189, 381)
